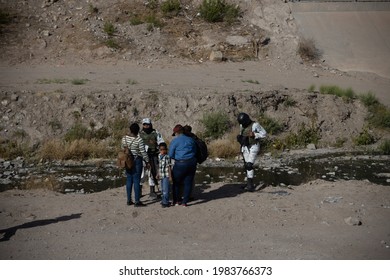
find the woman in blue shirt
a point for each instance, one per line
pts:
(183, 150)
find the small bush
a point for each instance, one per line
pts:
(111, 43)
(79, 81)
(93, 9)
(369, 99)
(347, 94)
(5, 17)
(10, 149)
(215, 124)
(364, 138)
(152, 4)
(385, 147)
(223, 148)
(153, 22)
(119, 126)
(379, 116)
(270, 125)
(307, 50)
(136, 20)
(289, 102)
(109, 28)
(218, 11)
(131, 82)
(251, 82)
(76, 132)
(312, 88)
(170, 8)
(52, 81)
(304, 136)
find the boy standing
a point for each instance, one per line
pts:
(164, 173)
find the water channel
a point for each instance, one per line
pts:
(94, 178)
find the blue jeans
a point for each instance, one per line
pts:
(183, 174)
(165, 190)
(134, 178)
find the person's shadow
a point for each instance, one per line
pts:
(9, 232)
(225, 191)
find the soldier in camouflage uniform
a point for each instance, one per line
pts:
(152, 138)
(250, 134)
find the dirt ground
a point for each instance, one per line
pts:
(318, 220)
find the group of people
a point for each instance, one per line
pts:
(174, 167)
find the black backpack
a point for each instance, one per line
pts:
(201, 151)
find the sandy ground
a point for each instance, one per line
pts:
(318, 220)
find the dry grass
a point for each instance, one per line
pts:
(307, 50)
(77, 150)
(228, 147)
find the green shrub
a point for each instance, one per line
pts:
(93, 9)
(131, 82)
(216, 124)
(364, 138)
(5, 17)
(111, 43)
(52, 81)
(119, 126)
(171, 7)
(289, 102)
(385, 147)
(101, 133)
(379, 116)
(271, 126)
(76, 132)
(109, 28)
(218, 10)
(369, 99)
(251, 81)
(136, 20)
(153, 22)
(79, 81)
(312, 88)
(304, 136)
(10, 149)
(152, 4)
(347, 94)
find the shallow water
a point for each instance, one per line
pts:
(86, 179)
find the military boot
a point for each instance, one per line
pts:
(250, 186)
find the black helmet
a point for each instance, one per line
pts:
(244, 119)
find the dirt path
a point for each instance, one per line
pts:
(203, 77)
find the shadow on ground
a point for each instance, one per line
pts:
(9, 232)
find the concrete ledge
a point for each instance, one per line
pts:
(353, 36)
(314, 6)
